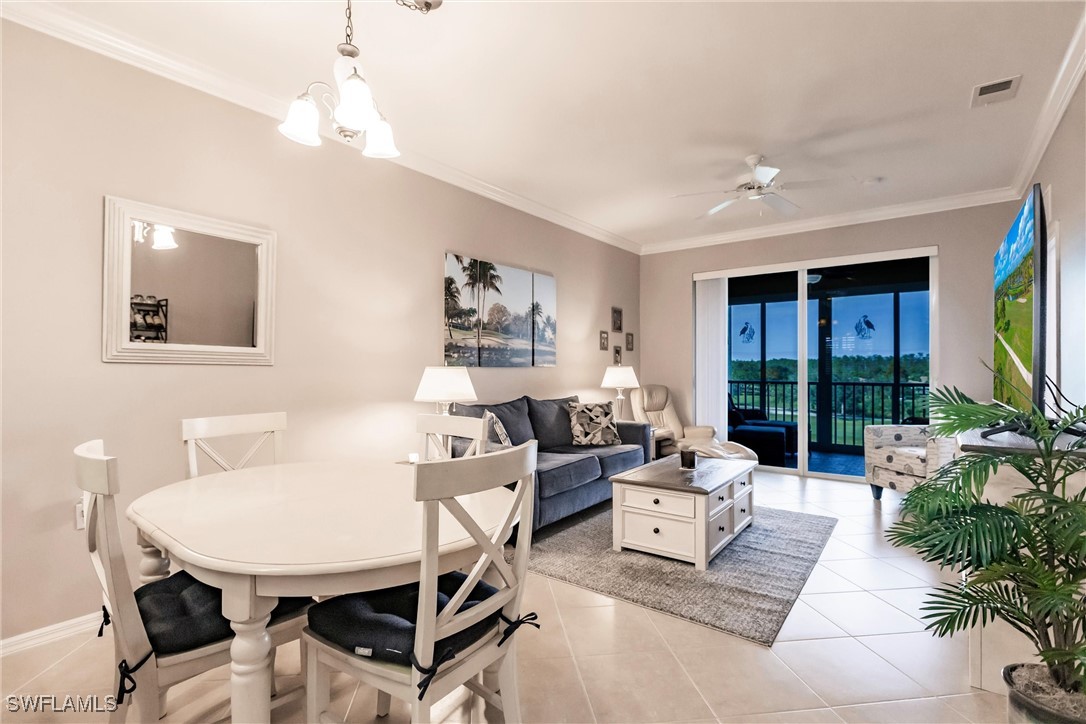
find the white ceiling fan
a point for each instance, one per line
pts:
(758, 185)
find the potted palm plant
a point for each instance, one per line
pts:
(1023, 561)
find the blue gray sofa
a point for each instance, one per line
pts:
(569, 478)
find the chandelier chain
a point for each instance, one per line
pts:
(350, 25)
(422, 8)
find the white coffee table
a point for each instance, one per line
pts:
(688, 515)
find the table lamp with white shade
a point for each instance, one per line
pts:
(621, 378)
(445, 385)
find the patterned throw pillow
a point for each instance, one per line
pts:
(496, 428)
(593, 423)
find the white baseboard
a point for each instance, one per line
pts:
(55, 632)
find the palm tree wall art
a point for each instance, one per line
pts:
(512, 322)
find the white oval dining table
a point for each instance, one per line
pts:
(299, 529)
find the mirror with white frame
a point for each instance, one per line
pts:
(183, 288)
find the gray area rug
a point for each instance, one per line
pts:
(748, 590)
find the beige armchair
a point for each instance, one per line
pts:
(652, 404)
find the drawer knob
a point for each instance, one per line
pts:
(720, 498)
(655, 501)
(656, 531)
(721, 529)
(742, 510)
(743, 483)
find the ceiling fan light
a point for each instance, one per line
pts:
(379, 141)
(163, 238)
(303, 120)
(355, 109)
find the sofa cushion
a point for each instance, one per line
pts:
(557, 473)
(550, 421)
(613, 459)
(513, 415)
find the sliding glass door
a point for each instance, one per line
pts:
(862, 329)
(763, 361)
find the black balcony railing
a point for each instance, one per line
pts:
(854, 405)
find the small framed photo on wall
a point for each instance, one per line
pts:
(616, 319)
(629, 341)
(617, 356)
(604, 343)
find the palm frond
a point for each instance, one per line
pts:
(952, 608)
(954, 412)
(965, 539)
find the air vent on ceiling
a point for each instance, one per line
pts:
(1000, 90)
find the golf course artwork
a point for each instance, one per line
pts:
(498, 315)
(1015, 325)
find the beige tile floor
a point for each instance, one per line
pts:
(851, 650)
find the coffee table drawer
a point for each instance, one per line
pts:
(657, 501)
(664, 534)
(720, 528)
(743, 509)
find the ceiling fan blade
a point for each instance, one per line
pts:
(779, 204)
(704, 193)
(765, 174)
(720, 207)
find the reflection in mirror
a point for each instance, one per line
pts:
(191, 288)
(183, 288)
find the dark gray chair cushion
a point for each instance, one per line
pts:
(513, 414)
(182, 614)
(613, 459)
(557, 473)
(381, 624)
(550, 421)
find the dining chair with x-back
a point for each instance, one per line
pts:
(420, 641)
(196, 431)
(168, 630)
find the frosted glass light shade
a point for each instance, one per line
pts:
(379, 142)
(163, 238)
(619, 376)
(445, 384)
(303, 121)
(355, 109)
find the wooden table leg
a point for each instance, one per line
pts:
(250, 655)
(154, 564)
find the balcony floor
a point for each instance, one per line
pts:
(836, 463)
(832, 463)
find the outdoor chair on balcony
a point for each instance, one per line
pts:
(901, 456)
(751, 417)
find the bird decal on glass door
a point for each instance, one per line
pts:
(865, 328)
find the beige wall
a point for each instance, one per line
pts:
(359, 305)
(966, 238)
(1063, 168)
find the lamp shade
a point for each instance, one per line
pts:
(355, 109)
(445, 384)
(379, 143)
(163, 238)
(303, 121)
(618, 376)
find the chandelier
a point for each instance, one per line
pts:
(350, 105)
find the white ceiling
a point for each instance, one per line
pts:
(594, 114)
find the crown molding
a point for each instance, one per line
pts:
(63, 24)
(1059, 97)
(885, 213)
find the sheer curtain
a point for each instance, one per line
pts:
(711, 354)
